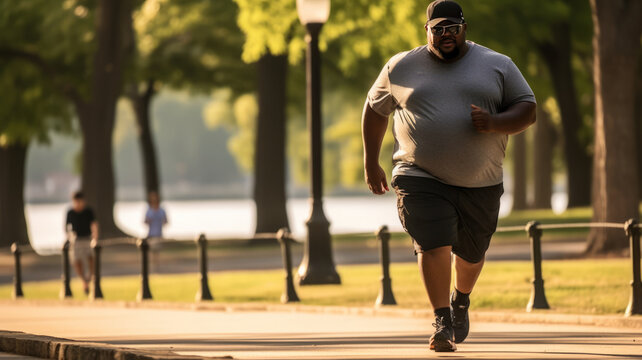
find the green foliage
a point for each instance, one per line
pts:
(28, 108)
(241, 143)
(61, 34)
(32, 104)
(189, 150)
(190, 44)
(268, 25)
(238, 116)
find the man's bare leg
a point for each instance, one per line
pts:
(80, 270)
(90, 261)
(435, 269)
(466, 274)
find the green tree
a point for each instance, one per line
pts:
(28, 111)
(182, 45)
(268, 27)
(81, 48)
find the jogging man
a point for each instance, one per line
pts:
(454, 103)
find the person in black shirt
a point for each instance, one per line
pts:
(81, 228)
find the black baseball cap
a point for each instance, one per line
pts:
(440, 10)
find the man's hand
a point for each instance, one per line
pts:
(482, 120)
(376, 179)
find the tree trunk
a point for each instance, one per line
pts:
(269, 153)
(141, 103)
(616, 46)
(13, 226)
(519, 171)
(557, 56)
(97, 114)
(542, 159)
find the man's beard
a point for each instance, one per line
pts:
(450, 55)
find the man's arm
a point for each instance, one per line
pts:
(373, 128)
(68, 223)
(515, 119)
(94, 229)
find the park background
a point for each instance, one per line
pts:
(205, 102)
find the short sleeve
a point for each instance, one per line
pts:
(164, 215)
(516, 88)
(68, 220)
(380, 96)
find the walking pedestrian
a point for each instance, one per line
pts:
(81, 227)
(155, 218)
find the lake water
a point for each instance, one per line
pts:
(232, 218)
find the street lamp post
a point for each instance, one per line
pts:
(317, 266)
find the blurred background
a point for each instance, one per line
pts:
(204, 102)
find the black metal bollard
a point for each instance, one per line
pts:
(538, 297)
(289, 295)
(144, 293)
(204, 290)
(635, 302)
(386, 297)
(96, 291)
(65, 292)
(17, 277)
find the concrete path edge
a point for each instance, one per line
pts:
(535, 317)
(48, 347)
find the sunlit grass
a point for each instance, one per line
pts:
(572, 286)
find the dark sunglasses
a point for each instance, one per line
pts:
(440, 30)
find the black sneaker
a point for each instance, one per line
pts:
(442, 339)
(461, 324)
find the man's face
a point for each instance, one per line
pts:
(447, 45)
(78, 204)
(153, 199)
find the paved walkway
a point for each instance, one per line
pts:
(291, 335)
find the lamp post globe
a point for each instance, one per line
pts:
(317, 266)
(313, 11)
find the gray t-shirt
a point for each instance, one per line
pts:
(433, 130)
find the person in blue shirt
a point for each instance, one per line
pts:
(155, 218)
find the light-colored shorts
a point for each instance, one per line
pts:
(155, 243)
(80, 249)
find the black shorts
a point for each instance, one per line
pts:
(436, 214)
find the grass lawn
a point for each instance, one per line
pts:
(572, 286)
